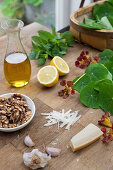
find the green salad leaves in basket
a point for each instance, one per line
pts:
(102, 17)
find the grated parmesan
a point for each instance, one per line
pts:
(61, 118)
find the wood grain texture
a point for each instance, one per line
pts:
(97, 156)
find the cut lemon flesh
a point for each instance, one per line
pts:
(61, 65)
(48, 76)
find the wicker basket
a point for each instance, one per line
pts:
(100, 39)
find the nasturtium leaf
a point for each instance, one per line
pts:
(109, 65)
(98, 72)
(110, 20)
(98, 83)
(105, 56)
(106, 23)
(90, 23)
(76, 78)
(89, 96)
(101, 10)
(82, 82)
(106, 97)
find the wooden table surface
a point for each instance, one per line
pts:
(97, 156)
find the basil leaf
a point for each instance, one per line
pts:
(41, 61)
(32, 55)
(44, 56)
(45, 35)
(69, 39)
(50, 44)
(56, 51)
(53, 31)
(37, 40)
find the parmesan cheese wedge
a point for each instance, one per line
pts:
(86, 136)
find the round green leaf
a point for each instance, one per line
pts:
(105, 56)
(81, 82)
(98, 72)
(75, 79)
(89, 96)
(98, 83)
(106, 97)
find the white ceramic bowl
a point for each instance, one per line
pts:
(31, 106)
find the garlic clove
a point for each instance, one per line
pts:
(52, 151)
(36, 159)
(28, 141)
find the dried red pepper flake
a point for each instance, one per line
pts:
(85, 59)
(67, 89)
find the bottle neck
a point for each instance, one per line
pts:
(14, 43)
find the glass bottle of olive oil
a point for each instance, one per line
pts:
(17, 67)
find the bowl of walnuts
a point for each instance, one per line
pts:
(16, 111)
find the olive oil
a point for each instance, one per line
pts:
(17, 69)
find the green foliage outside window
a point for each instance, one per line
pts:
(16, 8)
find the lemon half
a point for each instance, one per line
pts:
(48, 76)
(61, 65)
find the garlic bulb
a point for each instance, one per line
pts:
(35, 159)
(52, 151)
(28, 141)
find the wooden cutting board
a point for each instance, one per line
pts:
(97, 156)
